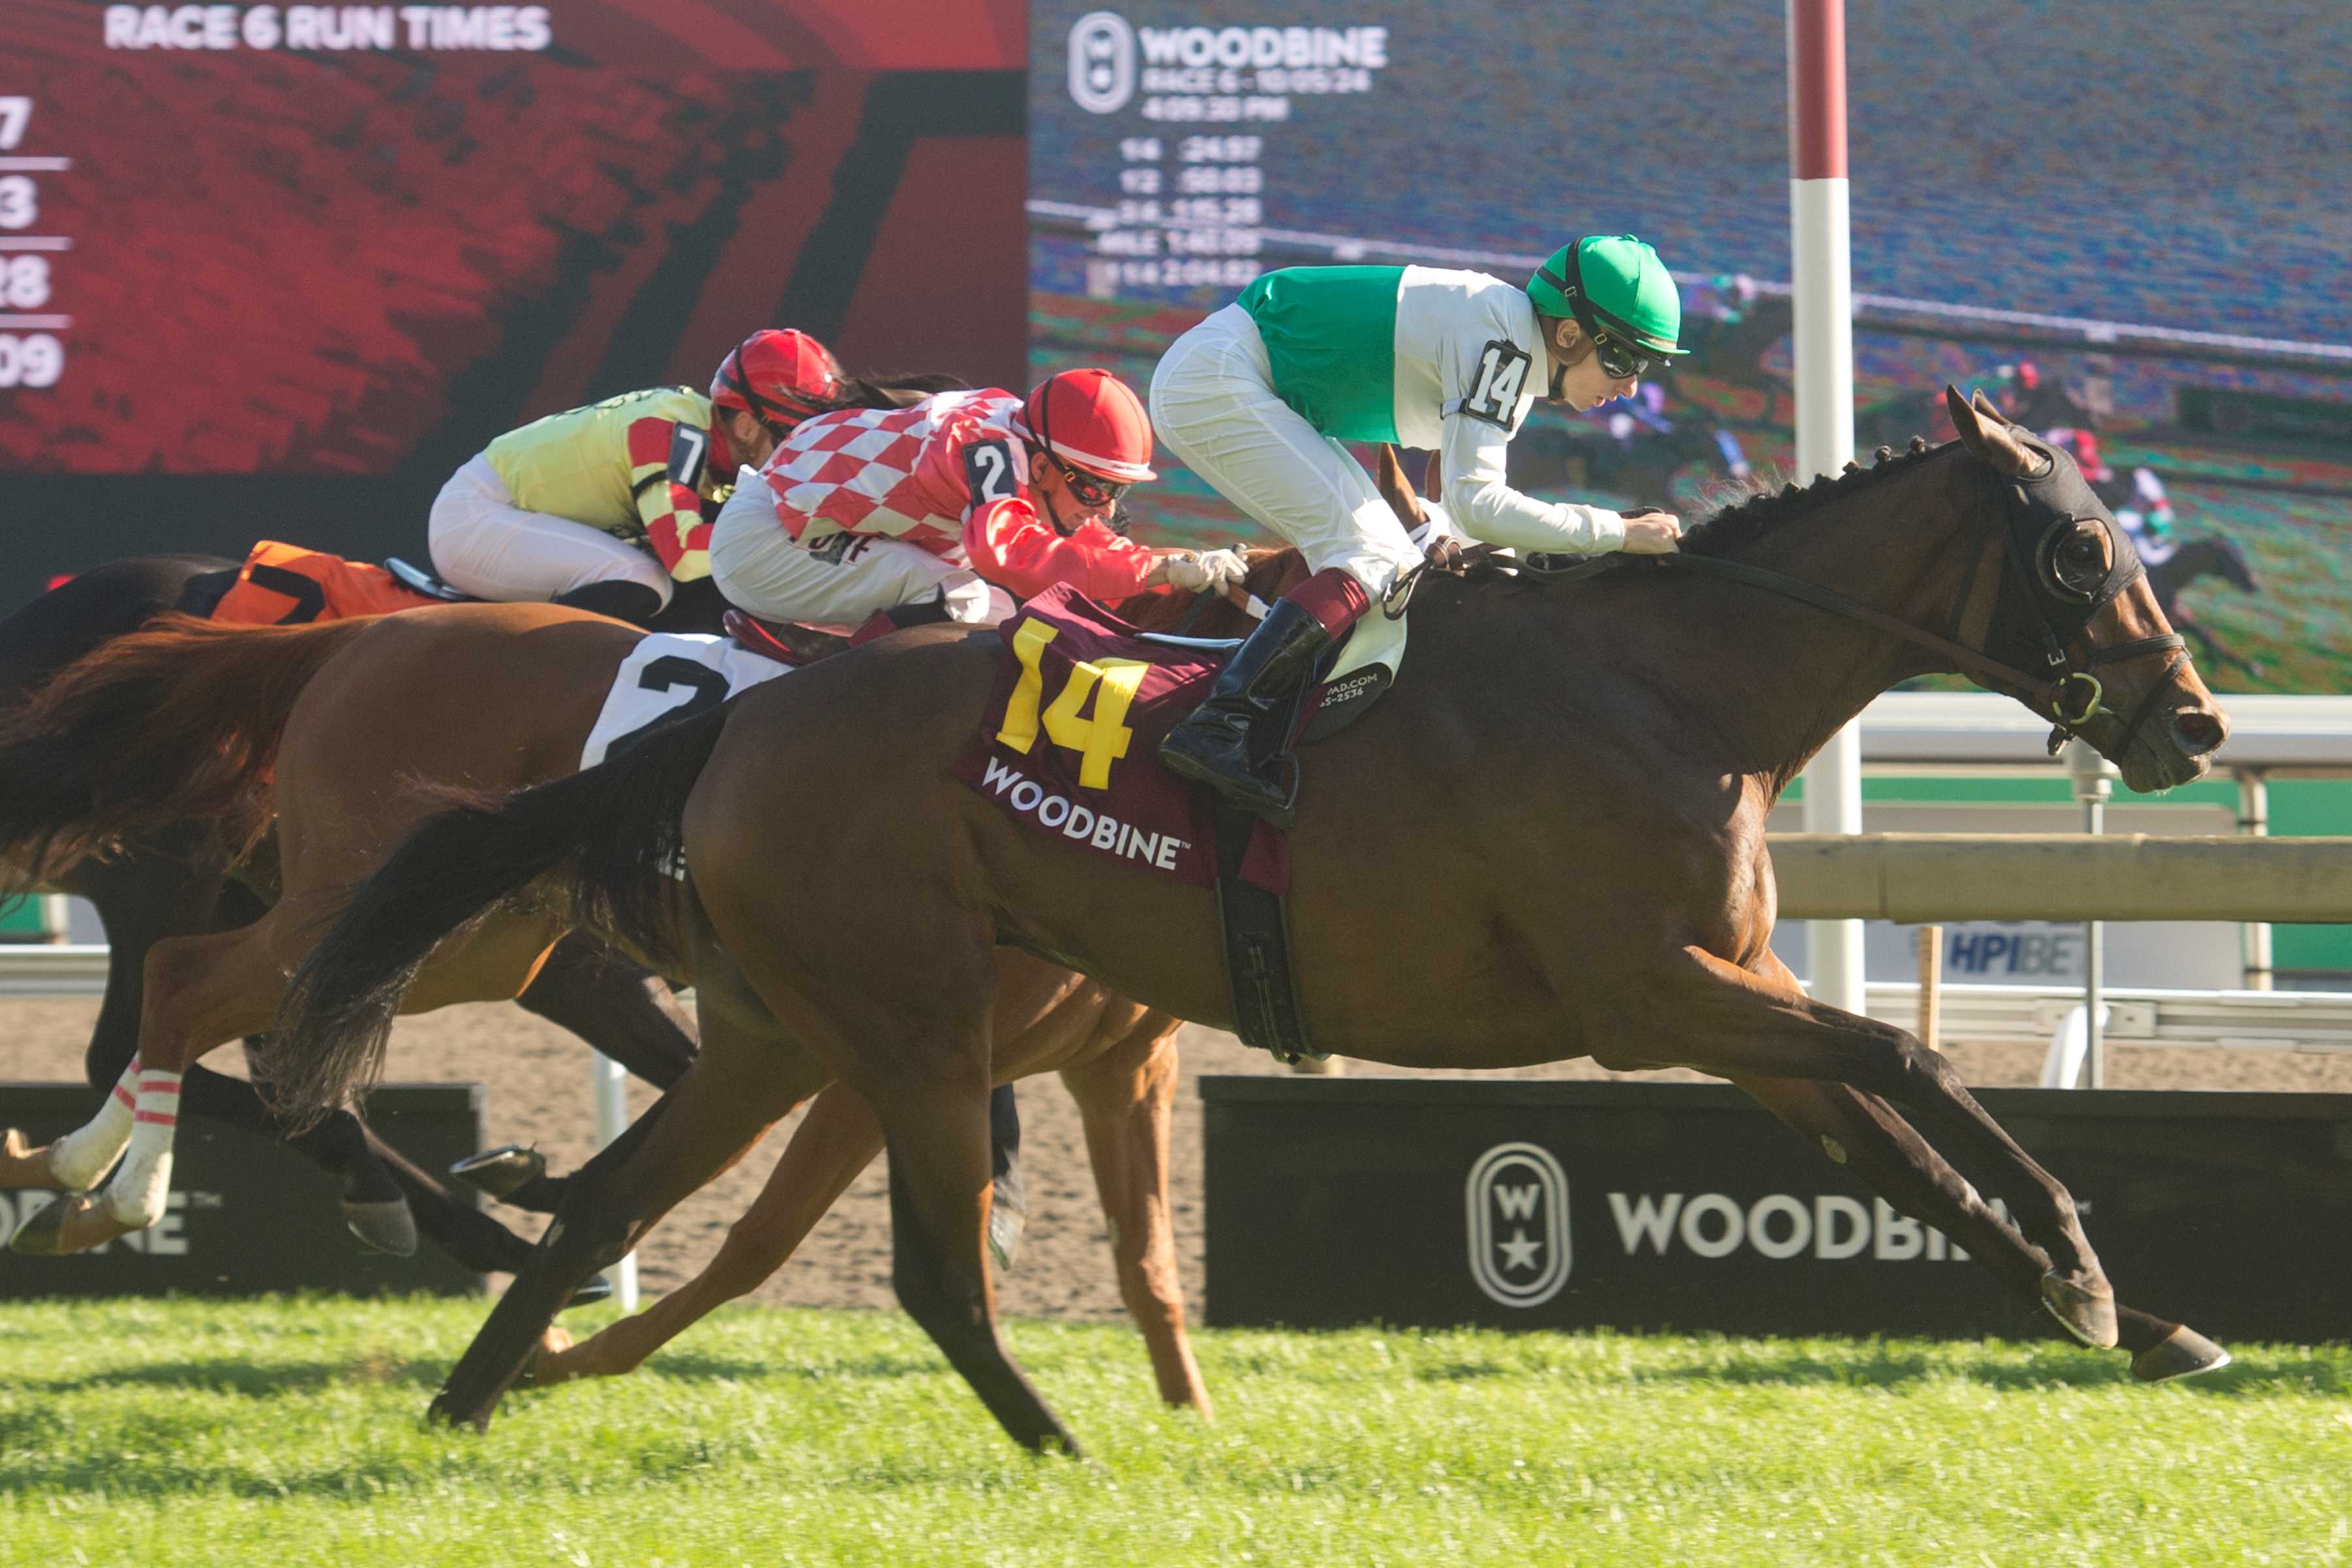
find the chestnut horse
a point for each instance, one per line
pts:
(1552, 831)
(177, 881)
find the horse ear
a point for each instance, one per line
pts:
(1992, 438)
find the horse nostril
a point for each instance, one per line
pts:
(2198, 731)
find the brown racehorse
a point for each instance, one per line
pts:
(1552, 830)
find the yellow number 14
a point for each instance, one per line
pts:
(1100, 740)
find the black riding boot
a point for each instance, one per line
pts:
(1214, 743)
(631, 602)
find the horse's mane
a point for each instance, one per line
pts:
(1742, 512)
(893, 391)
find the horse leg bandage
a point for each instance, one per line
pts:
(79, 1159)
(137, 1194)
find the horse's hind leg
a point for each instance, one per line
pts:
(746, 1077)
(936, 1121)
(201, 992)
(141, 897)
(1864, 1133)
(1723, 1020)
(1125, 1096)
(616, 1006)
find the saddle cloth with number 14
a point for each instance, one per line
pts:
(1070, 744)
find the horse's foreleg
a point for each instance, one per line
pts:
(836, 1140)
(1864, 1133)
(1733, 1023)
(1125, 1097)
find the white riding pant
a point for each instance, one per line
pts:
(486, 545)
(1213, 403)
(759, 567)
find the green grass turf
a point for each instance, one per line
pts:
(286, 1433)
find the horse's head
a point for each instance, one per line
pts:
(2224, 560)
(2076, 603)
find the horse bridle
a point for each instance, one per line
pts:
(2065, 601)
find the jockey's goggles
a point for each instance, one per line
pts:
(1618, 358)
(1093, 490)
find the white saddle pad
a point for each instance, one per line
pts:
(671, 677)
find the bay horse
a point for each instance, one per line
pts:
(329, 739)
(1546, 842)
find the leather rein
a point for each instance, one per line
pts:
(2072, 699)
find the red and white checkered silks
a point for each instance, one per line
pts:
(894, 471)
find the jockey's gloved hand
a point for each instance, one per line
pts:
(1208, 572)
(1652, 530)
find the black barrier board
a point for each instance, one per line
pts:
(1642, 1205)
(248, 1214)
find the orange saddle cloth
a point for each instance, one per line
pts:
(285, 585)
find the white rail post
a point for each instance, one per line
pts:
(2094, 778)
(1819, 244)
(2255, 821)
(610, 1082)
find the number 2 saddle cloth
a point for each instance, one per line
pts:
(1070, 744)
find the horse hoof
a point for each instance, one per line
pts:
(443, 1414)
(539, 1369)
(386, 1226)
(22, 1165)
(500, 1171)
(597, 1290)
(2184, 1352)
(73, 1224)
(2089, 1316)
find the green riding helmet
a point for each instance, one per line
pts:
(1616, 283)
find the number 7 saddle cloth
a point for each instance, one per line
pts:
(1069, 746)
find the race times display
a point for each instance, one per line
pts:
(32, 346)
(1204, 114)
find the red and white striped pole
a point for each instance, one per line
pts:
(1820, 251)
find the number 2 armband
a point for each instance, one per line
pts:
(1497, 383)
(989, 471)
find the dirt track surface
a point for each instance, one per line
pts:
(538, 1079)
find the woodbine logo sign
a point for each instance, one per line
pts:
(1517, 1206)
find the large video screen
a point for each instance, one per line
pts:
(2121, 219)
(326, 239)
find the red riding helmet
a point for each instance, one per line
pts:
(1091, 420)
(778, 377)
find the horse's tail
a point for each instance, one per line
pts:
(175, 723)
(606, 837)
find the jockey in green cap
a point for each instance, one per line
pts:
(1257, 399)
